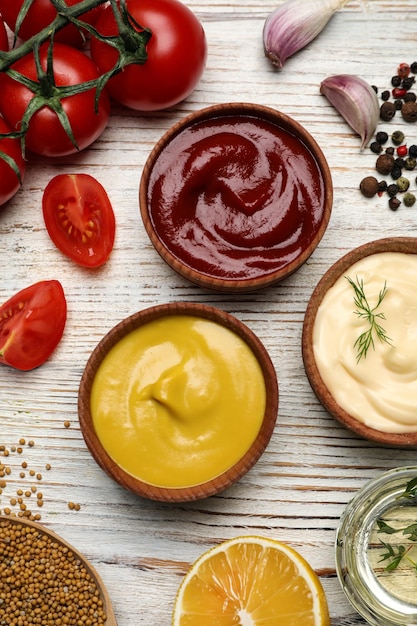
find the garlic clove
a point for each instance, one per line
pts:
(293, 25)
(356, 101)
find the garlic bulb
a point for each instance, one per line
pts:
(293, 25)
(356, 101)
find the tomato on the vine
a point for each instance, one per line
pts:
(176, 51)
(4, 40)
(79, 218)
(10, 159)
(46, 134)
(40, 14)
(32, 323)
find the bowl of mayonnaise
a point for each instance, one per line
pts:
(359, 341)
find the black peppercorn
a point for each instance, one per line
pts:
(398, 104)
(387, 111)
(396, 81)
(382, 186)
(396, 172)
(399, 162)
(392, 190)
(413, 67)
(412, 151)
(394, 203)
(369, 186)
(384, 163)
(389, 150)
(376, 147)
(407, 82)
(381, 137)
(409, 111)
(385, 95)
(410, 97)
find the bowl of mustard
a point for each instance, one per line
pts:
(178, 401)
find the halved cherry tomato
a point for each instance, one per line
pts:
(31, 324)
(79, 218)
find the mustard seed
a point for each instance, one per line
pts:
(67, 424)
(44, 582)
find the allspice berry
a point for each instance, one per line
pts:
(387, 111)
(369, 186)
(385, 163)
(409, 111)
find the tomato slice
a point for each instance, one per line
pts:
(31, 324)
(79, 218)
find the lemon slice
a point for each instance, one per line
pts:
(251, 581)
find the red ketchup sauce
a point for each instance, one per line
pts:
(236, 197)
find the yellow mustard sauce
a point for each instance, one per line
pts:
(178, 401)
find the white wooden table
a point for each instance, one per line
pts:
(312, 466)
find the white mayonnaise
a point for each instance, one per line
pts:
(381, 389)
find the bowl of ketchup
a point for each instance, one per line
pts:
(236, 197)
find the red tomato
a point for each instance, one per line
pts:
(46, 135)
(176, 51)
(4, 40)
(31, 324)
(40, 14)
(9, 181)
(79, 218)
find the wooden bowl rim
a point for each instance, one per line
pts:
(275, 117)
(111, 619)
(407, 245)
(218, 483)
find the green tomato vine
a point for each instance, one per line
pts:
(130, 42)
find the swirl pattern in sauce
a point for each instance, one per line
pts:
(236, 197)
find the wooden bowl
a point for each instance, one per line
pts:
(407, 245)
(228, 210)
(266, 415)
(45, 534)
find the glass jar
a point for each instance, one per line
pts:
(382, 590)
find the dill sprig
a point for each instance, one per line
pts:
(364, 311)
(395, 554)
